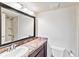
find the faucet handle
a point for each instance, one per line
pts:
(8, 49)
(71, 53)
(14, 45)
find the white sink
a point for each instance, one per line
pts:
(17, 52)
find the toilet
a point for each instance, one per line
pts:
(60, 52)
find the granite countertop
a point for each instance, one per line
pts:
(33, 45)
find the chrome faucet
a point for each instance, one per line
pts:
(11, 47)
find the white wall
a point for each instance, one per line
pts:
(77, 29)
(60, 28)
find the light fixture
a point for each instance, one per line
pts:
(28, 11)
(16, 5)
(19, 6)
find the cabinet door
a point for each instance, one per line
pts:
(41, 53)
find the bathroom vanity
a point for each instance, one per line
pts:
(18, 34)
(33, 48)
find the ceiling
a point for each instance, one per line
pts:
(39, 7)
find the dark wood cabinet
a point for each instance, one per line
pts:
(40, 52)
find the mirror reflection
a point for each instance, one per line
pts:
(15, 26)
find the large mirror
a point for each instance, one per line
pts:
(15, 26)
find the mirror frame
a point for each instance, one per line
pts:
(11, 8)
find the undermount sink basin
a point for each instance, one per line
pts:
(17, 52)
